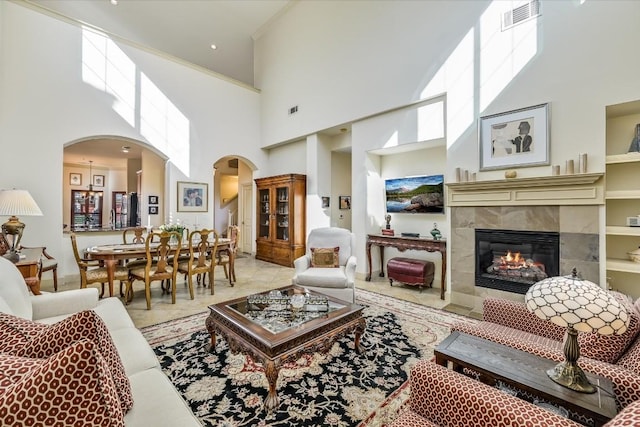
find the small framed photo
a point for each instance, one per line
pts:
(326, 202)
(98, 180)
(514, 139)
(153, 210)
(193, 196)
(75, 178)
(153, 200)
(345, 202)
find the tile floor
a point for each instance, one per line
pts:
(252, 276)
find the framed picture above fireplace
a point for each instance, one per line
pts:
(514, 139)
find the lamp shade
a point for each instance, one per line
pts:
(18, 203)
(569, 301)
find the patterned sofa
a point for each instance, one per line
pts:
(613, 357)
(443, 398)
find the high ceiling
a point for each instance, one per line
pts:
(183, 28)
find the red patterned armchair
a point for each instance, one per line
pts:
(616, 357)
(443, 398)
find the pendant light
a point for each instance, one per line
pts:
(91, 177)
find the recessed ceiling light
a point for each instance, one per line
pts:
(114, 2)
(125, 149)
(214, 47)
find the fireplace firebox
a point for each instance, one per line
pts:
(513, 260)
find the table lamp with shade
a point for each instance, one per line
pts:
(578, 305)
(14, 203)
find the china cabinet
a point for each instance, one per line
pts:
(622, 197)
(280, 218)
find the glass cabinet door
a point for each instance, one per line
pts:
(282, 213)
(264, 214)
(86, 209)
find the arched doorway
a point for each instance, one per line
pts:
(233, 202)
(111, 166)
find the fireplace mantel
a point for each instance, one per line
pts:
(578, 189)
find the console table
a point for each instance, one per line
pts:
(404, 243)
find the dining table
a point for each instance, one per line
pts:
(112, 254)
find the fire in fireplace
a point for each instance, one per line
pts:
(512, 260)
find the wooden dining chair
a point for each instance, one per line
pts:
(223, 257)
(134, 235)
(92, 271)
(47, 263)
(203, 245)
(161, 265)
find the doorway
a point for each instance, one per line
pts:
(233, 198)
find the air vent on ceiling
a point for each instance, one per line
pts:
(520, 14)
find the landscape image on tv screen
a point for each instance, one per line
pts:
(418, 194)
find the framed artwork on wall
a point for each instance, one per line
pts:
(153, 210)
(153, 200)
(344, 202)
(75, 179)
(192, 196)
(98, 180)
(514, 139)
(326, 201)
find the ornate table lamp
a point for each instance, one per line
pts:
(14, 203)
(578, 305)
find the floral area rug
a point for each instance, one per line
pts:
(339, 388)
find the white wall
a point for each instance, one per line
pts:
(342, 61)
(44, 104)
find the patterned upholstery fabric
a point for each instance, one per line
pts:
(516, 315)
(624, 375)
(631, 358)
(70, 388)
(16, 332)
(515, 338)
(53, 338)
(609, 348)
(630, 416)
(448, 399)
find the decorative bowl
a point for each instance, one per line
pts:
(634, 255)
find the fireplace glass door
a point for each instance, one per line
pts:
(512, 260)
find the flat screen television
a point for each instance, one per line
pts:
(415, 194)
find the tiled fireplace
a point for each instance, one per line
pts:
(562, 210)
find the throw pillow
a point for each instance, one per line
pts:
(325, 257)
(70, 388)
(609, 348)
(37, 342)
(16, 331)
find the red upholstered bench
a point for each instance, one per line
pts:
(415, 272)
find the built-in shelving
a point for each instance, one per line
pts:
(615, 230)
(623, 265)
(622, 197)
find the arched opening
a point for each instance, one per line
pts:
(233, 201)
(112, 182)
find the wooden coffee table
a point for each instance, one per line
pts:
(526, 372)
(273, 334)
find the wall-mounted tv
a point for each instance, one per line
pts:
(416, 194)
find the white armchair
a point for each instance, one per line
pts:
(336, 282)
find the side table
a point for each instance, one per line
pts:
(527, 372)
